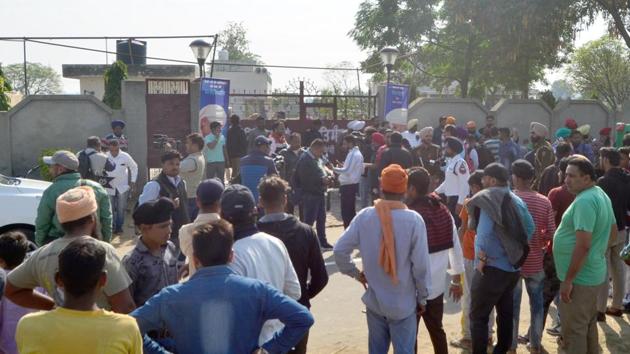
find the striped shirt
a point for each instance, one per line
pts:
(542, 213)
(493, 145)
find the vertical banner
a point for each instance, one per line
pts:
(214, 100)
(396, 103)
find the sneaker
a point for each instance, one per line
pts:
(462, 343)
(614, 312)
(601, 317)
(554, 331)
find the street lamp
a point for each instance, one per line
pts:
(388, 56)
(200, 49)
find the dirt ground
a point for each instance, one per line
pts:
(340, 324)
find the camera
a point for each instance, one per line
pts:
(163, 142)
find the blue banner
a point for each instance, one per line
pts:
(214, 100)
(396, 103)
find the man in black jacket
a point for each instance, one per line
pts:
(312, 133)
(236, 144)
(291, 155)
(300, 240)
(311, 182)
(616, 184)
(395, 154)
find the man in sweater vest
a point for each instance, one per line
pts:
(169, 184)
(444, 250)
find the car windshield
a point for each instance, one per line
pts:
(8, 181)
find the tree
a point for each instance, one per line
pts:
(549, 98)
(234, 39)
(5, 88)
(617, 12)
(114, 77)
(601, 68)
(42, 79)
(480, 44)
(340, 82)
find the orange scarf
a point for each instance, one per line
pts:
(387, 252)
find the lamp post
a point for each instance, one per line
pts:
(200, 49)
(388, 56)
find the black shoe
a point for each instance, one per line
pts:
(326, 246)
(601, 317)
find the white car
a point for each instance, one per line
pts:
(19, 199)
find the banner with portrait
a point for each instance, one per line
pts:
(214, 100)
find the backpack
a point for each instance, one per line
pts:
(485, 156)
(85, 166)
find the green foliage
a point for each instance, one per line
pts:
(601, 68)
(234, 39)
(480, 44)
(114, 77)
(5, 87)
(549, 98)
(42, 79)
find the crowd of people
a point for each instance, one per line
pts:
(230, 239)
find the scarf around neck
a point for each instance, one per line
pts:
(387, 251)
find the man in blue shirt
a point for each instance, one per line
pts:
(217, 311)
(257, 165)
(504, 227)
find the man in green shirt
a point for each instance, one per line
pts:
(63, 166)
(579, 247)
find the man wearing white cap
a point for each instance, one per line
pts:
(356, 125)
(542, 154)
(411, 134)
(63, 167)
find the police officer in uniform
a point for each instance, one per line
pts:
(455, 185)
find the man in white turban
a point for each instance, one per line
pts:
(411, 134)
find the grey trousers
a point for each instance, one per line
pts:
(579, 321)
(216, 169)
(616, 271)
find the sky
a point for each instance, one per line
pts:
(282, 32)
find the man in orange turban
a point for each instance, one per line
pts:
(393, 245)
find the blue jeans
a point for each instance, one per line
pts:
(383, 331)
(119, 207)
(315, 212)
(534, 285)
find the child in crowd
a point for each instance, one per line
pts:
(13, 249)
(79, 325)
(152, 264)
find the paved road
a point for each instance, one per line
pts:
(340, 325)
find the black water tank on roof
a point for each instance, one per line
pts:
(131, 51)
